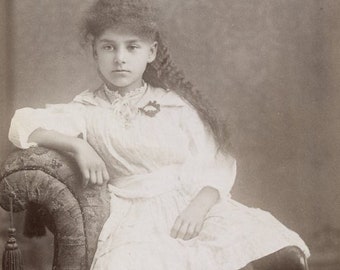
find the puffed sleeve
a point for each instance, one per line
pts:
(67, 119)
(205, 164)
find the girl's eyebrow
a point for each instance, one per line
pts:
(113, 41)
(133, 41)
(106, 40)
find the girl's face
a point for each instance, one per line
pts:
(122, 58)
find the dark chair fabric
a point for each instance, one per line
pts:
(47, 184)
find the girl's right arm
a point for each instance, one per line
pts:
(90, 163)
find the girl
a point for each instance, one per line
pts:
(161, 152)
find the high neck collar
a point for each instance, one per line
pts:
(112, 95)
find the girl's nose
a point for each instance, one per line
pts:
(120, 56)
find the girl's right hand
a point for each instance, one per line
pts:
(91, 165)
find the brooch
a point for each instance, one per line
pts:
(150, 109)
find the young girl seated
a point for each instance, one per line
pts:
(162, 154)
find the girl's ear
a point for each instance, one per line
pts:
(153, 52)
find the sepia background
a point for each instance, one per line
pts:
(271, 68)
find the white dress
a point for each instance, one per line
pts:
(157, 165)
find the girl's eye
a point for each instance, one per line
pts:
(108, 47)
(133, 47)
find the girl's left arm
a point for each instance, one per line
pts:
(190, 222)
(207, 175)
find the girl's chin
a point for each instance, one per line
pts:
(119, 81)
(122, 85)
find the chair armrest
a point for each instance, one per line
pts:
(45, 177)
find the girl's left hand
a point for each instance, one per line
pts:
(189, 223)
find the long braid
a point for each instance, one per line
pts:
(163, 73)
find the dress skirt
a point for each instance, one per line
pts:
(137, 232)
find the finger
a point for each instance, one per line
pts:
(93, 177)
(99, 177)
(190, 232)
(195, 234)
(198, 229)
(86, 177)
(182, 230)
(106, 175)
(176, 227)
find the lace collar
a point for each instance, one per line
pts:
(114, 96)
(165, 97)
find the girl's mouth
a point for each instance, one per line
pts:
(120, 71)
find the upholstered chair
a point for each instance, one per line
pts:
(48, 185)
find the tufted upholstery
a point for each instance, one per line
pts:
(47, 184)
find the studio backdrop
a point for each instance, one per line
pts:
(270, 68)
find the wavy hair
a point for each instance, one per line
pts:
(164, 73)
(141, 18)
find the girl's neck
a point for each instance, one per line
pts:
(112, 95)
(121, 90)
(124, 90)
